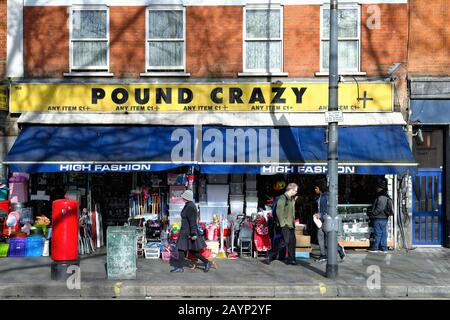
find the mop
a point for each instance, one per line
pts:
(222, 254)
(232, 254)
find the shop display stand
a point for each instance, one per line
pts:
(354, 230)
(140, 240)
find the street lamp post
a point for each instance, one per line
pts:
(331, 221)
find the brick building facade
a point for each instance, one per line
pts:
(217, 43)
(429, 93)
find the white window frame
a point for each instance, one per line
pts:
(148, 67)
(246, 40)
(71, 40)
(358, 38)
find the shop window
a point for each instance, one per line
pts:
(165, 45)
(89, 38)
(349, 34)
(263, 39)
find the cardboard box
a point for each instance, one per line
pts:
(299, 229)
(308, 249)
(303, 241)
(213, 245)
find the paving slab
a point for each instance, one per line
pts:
(420, 273)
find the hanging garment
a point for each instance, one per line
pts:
(261, 235)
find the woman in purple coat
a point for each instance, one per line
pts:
(189, 239)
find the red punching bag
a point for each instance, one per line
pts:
(65, 230)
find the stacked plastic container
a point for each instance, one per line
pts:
(152, 250)
(17, 247)
(251, 195)
(237, 199)
(217, 191)
(176, 204)
(34, 246)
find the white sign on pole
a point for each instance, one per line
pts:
(334, 116)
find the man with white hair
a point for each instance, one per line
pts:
(284, 221)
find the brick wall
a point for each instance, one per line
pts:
(46, 41)
(301, 40)
(385, 45)
(429, 39)
(2, 38)
(214, 40)
(127, 41)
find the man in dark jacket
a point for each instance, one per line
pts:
(285, 217)
(322, 206)
(189, 239)
(380, 218)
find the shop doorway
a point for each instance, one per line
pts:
(427, 207)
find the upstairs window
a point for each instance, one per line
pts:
(89, 38)
(165, 47)
(349, 21)
(263, 39)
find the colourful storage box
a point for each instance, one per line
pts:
(302, 255)
(17, 247)
(4, 249)
(34, 246)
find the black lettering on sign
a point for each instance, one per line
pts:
(166, 96)
(257, 95)
(278, 94)
(115, 95)
(235, 95)
(182, 98)
(214, 96)
(299, 94)
(144, 100)
(97, 93)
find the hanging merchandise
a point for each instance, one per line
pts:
(279, 185)
(18, 188)
(85, 241)
(212, 232)
(3, 191)
(261, 235)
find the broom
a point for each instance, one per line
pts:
(222, 254)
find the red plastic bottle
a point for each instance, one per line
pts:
(64, 230)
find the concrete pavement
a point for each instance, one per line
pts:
(421, 273)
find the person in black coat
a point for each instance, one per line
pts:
(189, 239)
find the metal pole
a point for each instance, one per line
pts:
(332, 267)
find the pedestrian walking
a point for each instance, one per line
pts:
(284, 217)
(321, 189)
(189, 238)
(381, 210)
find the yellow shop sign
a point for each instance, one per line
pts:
(211, 97)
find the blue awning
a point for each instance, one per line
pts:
(302, 150)
(430, 111)
(212, 149)
(93, 149)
